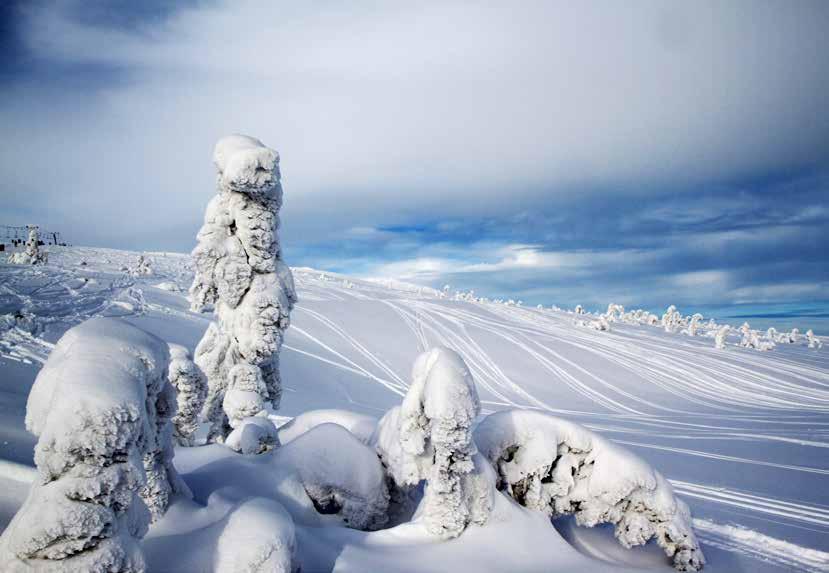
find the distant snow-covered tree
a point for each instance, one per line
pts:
(560, 468)
(720, 338)
(693, 325)
(239, 272)
(142, 267)
(31, 254)
(814, 341)
(100, 408)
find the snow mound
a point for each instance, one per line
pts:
(560, 468)
(340, 476)
(254, 435)
(259, 536)
(360, 425)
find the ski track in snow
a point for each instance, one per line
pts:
(660, 394)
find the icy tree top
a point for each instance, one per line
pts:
(246, 165)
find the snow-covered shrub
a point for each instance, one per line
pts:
(259, 537)
(560, 468)
(693, 325)
(789, 337)
(751, 339)
(814, 341)
(142, 267)
(722, 335)
(672, 319)
(31, 255)
(191, 390)
(254, 435)
(240, 273)
(429, 437)
(614, 312)
(341, 476)
(601, 324)
(579, 309)
(100, 408)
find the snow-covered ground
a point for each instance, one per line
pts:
(742, 435)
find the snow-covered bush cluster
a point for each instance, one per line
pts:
(101, 408)
(429, 437)
(240, 273)
(673, 321)
(560, 468)
(31, 254)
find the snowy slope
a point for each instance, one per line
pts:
(742, 435)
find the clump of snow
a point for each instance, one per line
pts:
(253, 435)
(259, 537)
(429, 437)
(191, 390)
(246, 394)
(360, 425)
(560, 468)
(101, 408)
(341, 476)
(239, 272)
(31, 255)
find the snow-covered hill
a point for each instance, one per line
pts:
(742, 435)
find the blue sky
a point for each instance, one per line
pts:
(646, 153)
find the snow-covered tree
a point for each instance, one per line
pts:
(693, 325)
(239, 272)
(100, 407)
(142, 267)
(814, 341)
(31, 255)
(429, 437)
(672, 319)
(579, 309)
(722, 335)
(191, 390)
(560, 468)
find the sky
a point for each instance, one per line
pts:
(644, 153)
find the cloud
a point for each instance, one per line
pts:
(556, 148)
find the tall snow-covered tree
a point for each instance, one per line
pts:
(240, 273)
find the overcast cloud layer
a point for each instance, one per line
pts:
(645, 152)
